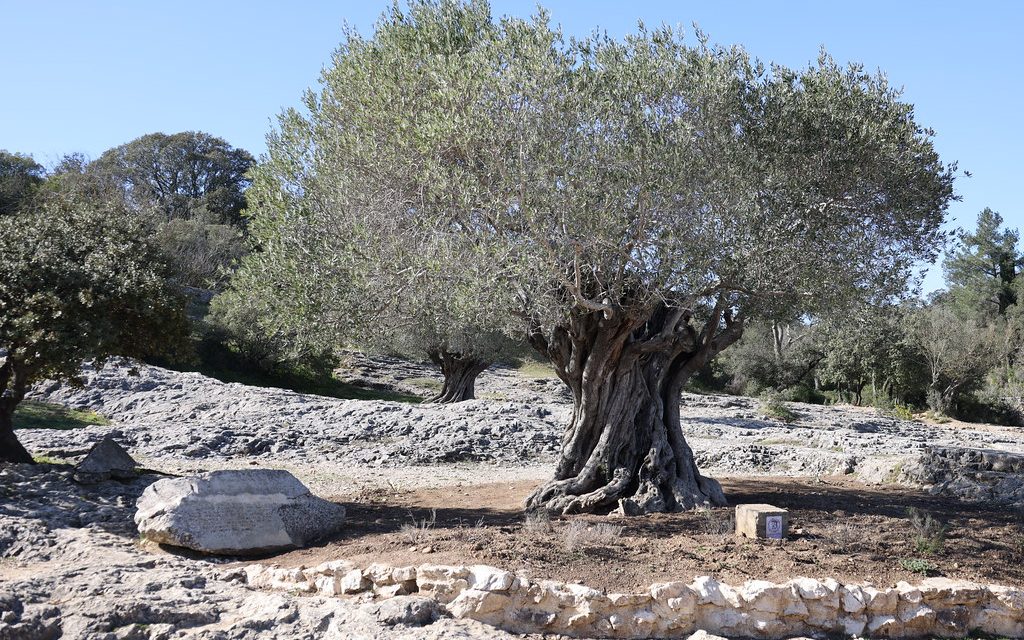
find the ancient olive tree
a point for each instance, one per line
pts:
(77, 281)
(633, 204)
(702, 192)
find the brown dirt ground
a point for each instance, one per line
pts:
(838, 529)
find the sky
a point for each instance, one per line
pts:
(88, 76)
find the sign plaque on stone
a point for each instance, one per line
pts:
(761, 521)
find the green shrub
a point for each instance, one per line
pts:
(773, 407)
(804, 393)
(929, 534)
(918, 565)
(900, 412)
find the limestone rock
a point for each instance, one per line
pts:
(704, 635)
(484, 578)
(408, 610)
(354, 582)
(107, 459)
(761, 521)
(235, 512)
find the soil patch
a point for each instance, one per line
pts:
(839, 529)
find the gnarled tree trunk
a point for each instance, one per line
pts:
(10, 449)
(13, 387)
(625, 441)
(460, 373)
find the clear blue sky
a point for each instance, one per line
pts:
(87, 76)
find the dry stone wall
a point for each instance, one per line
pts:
(936, 607)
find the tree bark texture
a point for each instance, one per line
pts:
(625, 441)
(460, 374)
(13, 387)
(10, 449)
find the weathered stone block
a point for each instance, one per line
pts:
(235, 512)
(762, 521)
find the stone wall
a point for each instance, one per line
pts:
(757, 609)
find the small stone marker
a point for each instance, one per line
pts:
(761, 521)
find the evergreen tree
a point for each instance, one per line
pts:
(982, 270)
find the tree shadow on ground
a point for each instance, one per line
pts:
(738, 423)
(363, 520)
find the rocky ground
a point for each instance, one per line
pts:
(171, 418)
(71, 564)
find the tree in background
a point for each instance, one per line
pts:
(957, 351)
(774, 356)
(20, 176)
(638, 202)
(78, 280)
(183, 175)
(340, 255)
(869, 348)
(981, 272)
(190, 186)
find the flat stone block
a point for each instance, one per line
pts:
(762, 521)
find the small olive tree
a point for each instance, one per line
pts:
(632, 204)
(341, 255)
(958, 352)
(77, 281)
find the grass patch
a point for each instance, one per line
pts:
(929, 533)
(430, 384)
(32, 414)
(321, 386)
(531, 368)
(578, 535)
(894, 474)
(538, 522)
(786, 442)
(717, 522)
(416, 532)
(47, 460)
(937, 418)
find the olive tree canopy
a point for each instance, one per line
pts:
(340, 255)
(630, 204)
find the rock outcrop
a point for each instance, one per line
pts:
(235, 512)
(976, 475)
(171, 415)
